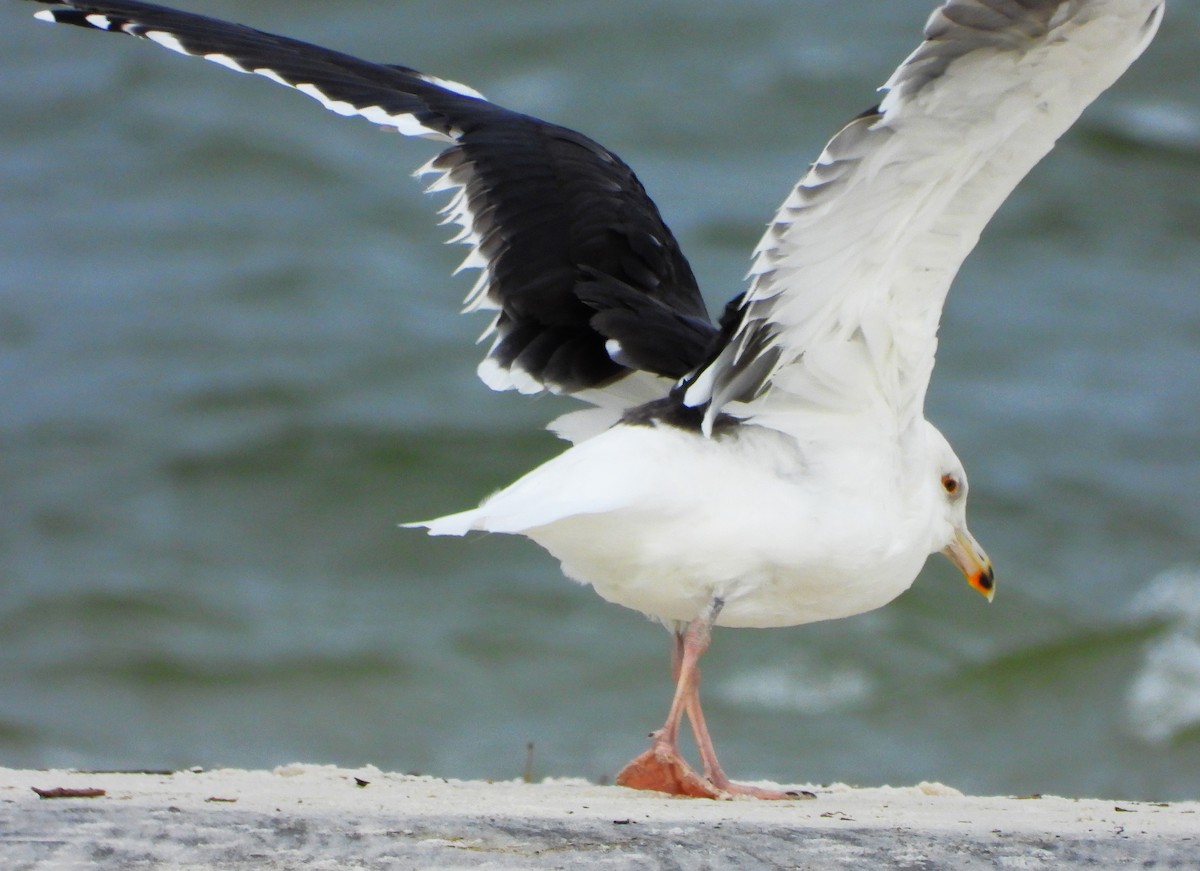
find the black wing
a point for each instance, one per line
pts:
(588, 282)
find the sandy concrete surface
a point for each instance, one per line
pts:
(321, 817)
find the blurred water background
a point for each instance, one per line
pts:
(231, 364)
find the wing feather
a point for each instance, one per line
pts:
(848, 282)
(553, 219)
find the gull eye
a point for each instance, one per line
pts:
(950, 484)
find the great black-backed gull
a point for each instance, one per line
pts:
(774, 468)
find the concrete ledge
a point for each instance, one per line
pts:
(318, 817)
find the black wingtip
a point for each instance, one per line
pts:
(76, 17)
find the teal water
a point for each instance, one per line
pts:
(230, 364)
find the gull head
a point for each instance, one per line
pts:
(951, 535)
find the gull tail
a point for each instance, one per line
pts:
(452, 524)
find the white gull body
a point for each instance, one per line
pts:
(664, 520)
(775, 468)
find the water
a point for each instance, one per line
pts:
(231, 364)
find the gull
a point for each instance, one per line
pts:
(772, 468)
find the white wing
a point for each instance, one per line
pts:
(848, 282)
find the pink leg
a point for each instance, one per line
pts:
(662, 767)
(712, 768)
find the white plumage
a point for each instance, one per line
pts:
(663, 521)
(828, 495)
(826, 498)
(854, 269)
(776, 469)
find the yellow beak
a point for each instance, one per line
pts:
(970, 559)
